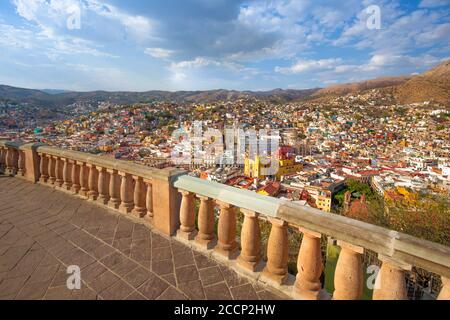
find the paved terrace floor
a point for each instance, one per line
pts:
(42, 231)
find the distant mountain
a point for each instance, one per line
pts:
(343, 89)
(432, 85)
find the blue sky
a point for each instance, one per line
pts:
(208, 44)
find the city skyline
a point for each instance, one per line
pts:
(197, 45)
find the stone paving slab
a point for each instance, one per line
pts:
(43, 231)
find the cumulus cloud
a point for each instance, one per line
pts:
(158, 52)
(309, 65)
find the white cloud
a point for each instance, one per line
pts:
(158, 52)
(309, 65)
(433, 3)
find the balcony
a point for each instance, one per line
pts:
(161, 205)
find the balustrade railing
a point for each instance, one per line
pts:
(166, 198)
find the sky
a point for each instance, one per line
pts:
(87, 45)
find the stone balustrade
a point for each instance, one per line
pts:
(166, 199)
(398, 252)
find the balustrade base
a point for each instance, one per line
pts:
(139, 212)
(103, 199)
(205, 243)
(251, 266)
(273, 279)
(114, 203)
(187, 235)
(92, 195)
(75, 189)
(126, 207)
(229, 254)
(10, 172)
(43, 179)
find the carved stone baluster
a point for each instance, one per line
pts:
(51, 169)
(206, 237)
(43, 167)
(277, 253)
(103, 186)
(75, 174)
(67, 174)
(250, 242)
(349, 276)
(391, 282)
(2, 159)
(93, 182)
(139, 197)
(84, 179)
(10, 163)
(21, 163)
(59, 172)
(309, 265)
(114, 189)
(187, 216)
(226, 231)
(149, 200)
(126, 193)
(445, 291)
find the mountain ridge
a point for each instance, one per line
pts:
(432, 85)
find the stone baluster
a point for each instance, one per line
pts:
(277, 253)
(149, 199)
(139, 197)
(43, 168)
(114, 189)
(103, 186)
(51, 169)
(84, 178)
(187, 216)
(21, 163)
(75, 174)
(309, 265)
(2, 159)
(445, 291)
(349, 276)
(126, 193)
(391, 280)
(250, 242)
(11, 169)
(226, 231)
(205, 236)
(92, 182)
(59, 172)
(67, 174)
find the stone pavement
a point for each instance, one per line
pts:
(43, 231)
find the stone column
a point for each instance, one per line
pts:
(114, 189)
(349, 277)
(67, 174)
(11, 168)
(126, 193)
(59, 172)
(149, 199)
(187, 216)
(226, 231)
(75, 174)
(445, 291)
(309, 265)
(21, 163)
(277, 253)
(206, 237)
(43, 168)
(51, 169)
(250, 242)
(139, 197)
(84, 177)
(93, 182)
(2, 159)
(103, 186)
(391, 283)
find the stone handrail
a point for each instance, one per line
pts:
(166, 199)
